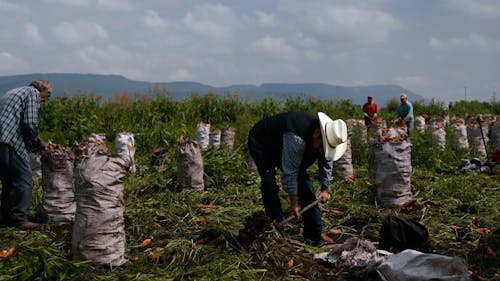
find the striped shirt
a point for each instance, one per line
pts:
(293, 149)
(19, 119)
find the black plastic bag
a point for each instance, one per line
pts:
(398, 234)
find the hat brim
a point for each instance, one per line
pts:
(332, 153)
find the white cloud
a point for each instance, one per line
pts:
(274, 46)
(473, 41)
(180, 75)
(79, 32)
(110, 5)
(77, 3)
(153, 20)
(8, 6)
(112, 59)
(10, 64)
(413, 81)
(211, 21)
(306, 41)
(264, 19)
(115, 5)
(32, 34)
(435, 43)
(478, 8)
(353, 20)
(363, 25)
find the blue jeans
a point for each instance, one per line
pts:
(15, 174)
(313, 224)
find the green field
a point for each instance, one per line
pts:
(461, 211)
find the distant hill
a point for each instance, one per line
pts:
(67, 84)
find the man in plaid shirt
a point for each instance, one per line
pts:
(18, 134)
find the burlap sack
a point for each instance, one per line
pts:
(227, 136)
(99, 228)
(342, 168)
(215, 138)
(203, 135)
(476, 141)
(438, 132)
(459, 137)
(390, 169)
(189, 165)
(58, 198)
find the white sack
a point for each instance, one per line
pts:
(411, 265)
(99, 228)
(58, 198)
(390, 168)
(203, 135)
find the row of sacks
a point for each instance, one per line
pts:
(189, 158)
(214, 138)
(474, 135)
(85, 189)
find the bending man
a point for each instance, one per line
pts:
(292, 142)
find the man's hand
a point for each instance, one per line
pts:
(294, 206)
(41, 145)
(324, 195)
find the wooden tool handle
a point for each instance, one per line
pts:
(301, 211)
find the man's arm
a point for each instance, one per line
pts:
(29, 122)
(293, 149)
(325, 177)
(409, 115)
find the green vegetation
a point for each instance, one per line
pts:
(458, 209)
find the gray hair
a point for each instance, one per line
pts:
(41, 85)
(403, 95)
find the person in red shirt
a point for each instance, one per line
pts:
(370, 110)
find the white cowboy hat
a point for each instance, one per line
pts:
(334, 134)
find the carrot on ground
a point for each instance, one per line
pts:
(205, 206)
(145, 243)
(7, 252)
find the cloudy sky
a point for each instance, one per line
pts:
(446, 49)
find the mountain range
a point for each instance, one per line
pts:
(67, 84)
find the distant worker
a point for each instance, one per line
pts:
(292, 142)
(18, 135)
(405, 113)
(370, 110)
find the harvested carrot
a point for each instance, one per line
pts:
(205, 206)
(199, 220)
(473, 220)
(452, 227)
(202, 240)
(335, 231)
(145, 243)
(483, 230)
(336, 212)
(7, 252)
(290, 263)
(154, 256)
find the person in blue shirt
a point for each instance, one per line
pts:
(292, 142)
(405, 113)
(19, 134)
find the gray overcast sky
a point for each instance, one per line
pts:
(436, 48)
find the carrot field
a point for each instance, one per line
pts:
(189, 242)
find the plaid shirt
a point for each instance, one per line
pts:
(19, 119)
(293, 148)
